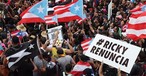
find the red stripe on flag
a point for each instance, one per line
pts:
(68, 18)
(48, 19)
(80, 67)
(25, 11)
(85, 44)
(14, 33)
(30, 20)
(137, 24)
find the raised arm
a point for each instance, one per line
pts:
(100, 69)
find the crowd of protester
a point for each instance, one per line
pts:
(62, 61)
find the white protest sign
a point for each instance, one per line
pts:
(51, 35)
(113, 52)
(110, 10)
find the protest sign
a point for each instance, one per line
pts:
(110, 10)
(51, 35)
(113, 52)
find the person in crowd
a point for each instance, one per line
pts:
(64, 58)
(68, 69)
(41, 64)
(26, 68)
(52, 67)
(74, 32)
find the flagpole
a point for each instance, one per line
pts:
(47, 31)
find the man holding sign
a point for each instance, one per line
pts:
(113, 52)
(56, 40)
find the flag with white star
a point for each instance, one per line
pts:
(69, 12)
(16, 56)
(33, 48)
(51, 19)
(77, 8)
(35, 13)
(40, 9)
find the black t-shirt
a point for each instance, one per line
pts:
(51, 69)
(26, 68)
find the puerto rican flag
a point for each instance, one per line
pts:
(14, 33)
(85, 44)
(80, 67)
(69, 12)
(83, 19)
(17, 33)
(51, 19)
(35, 13)
(137, 23)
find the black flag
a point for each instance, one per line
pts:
(33, 48)
(16, 54)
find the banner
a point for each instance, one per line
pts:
(51, 35)
(116, 53)
(109, 10)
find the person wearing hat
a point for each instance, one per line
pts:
(44, 34)
(22, 28)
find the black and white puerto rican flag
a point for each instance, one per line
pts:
(16, 55)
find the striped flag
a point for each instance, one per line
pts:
(83, 19)
(70, 11)
(51, 19)
(14, 33)
(35, 13)
(17, 33)
(80, 67)
(137, 23)
(85, 44)
(138, 9)
(16, 56)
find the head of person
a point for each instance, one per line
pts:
(79, 49)
(87, 72)
(42, 40)
(15, 40)
(68, 67)
(32, 37)
(47, 56)
(84, 58)
(60, 52)
(11, 27)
